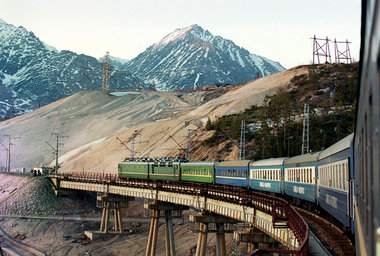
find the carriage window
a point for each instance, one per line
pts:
(310, 176)
(329, 176)
(305, 175)
(340, 175)
(344, 176)
(332, 177)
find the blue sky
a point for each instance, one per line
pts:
(276, 29)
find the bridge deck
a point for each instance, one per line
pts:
(260, 210)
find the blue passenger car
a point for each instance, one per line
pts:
(300, 174)
(266, 175)
(232, 172)
(334, 179)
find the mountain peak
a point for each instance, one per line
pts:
(181, 33)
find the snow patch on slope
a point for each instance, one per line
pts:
(175, 35)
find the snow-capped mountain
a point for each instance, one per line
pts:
(118, 63)
(192, 57)
(33, 73)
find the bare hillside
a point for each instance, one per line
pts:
(93, 120)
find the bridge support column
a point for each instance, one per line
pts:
(254, 238)
(108, 202)
(153, 232)
(220, 240)
(170, 247)
(168, 209)
(202, 240)
(220, 221)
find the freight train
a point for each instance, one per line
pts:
(322, 178)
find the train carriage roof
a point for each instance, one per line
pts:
(337, 147)
(133, 162)
(234, 163)
(268, 162)
(306, 158)
(199, 163)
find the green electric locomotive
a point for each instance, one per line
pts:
(155, 170)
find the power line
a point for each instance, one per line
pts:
(56, 150)
(133, 142)
(10, 144)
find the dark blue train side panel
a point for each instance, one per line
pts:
(337, 199)
(335, 202)
(304, 191)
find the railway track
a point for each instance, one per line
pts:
(16, 247)
(331, 236)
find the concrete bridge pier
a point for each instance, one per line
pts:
(220, 240)
(202, 240)
(254, 238)
(157, 207)
(218, 222)
(107, 202)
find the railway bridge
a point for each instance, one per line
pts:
(219, 206)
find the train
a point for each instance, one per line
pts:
(321, 178)
(367, 136)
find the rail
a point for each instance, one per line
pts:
(278, 207)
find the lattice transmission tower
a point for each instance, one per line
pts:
(106, 73)
(242, 140)
(321, 48)
(344, 55)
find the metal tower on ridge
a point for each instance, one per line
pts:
(342, 55)
(321, 49)
(305, 132)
